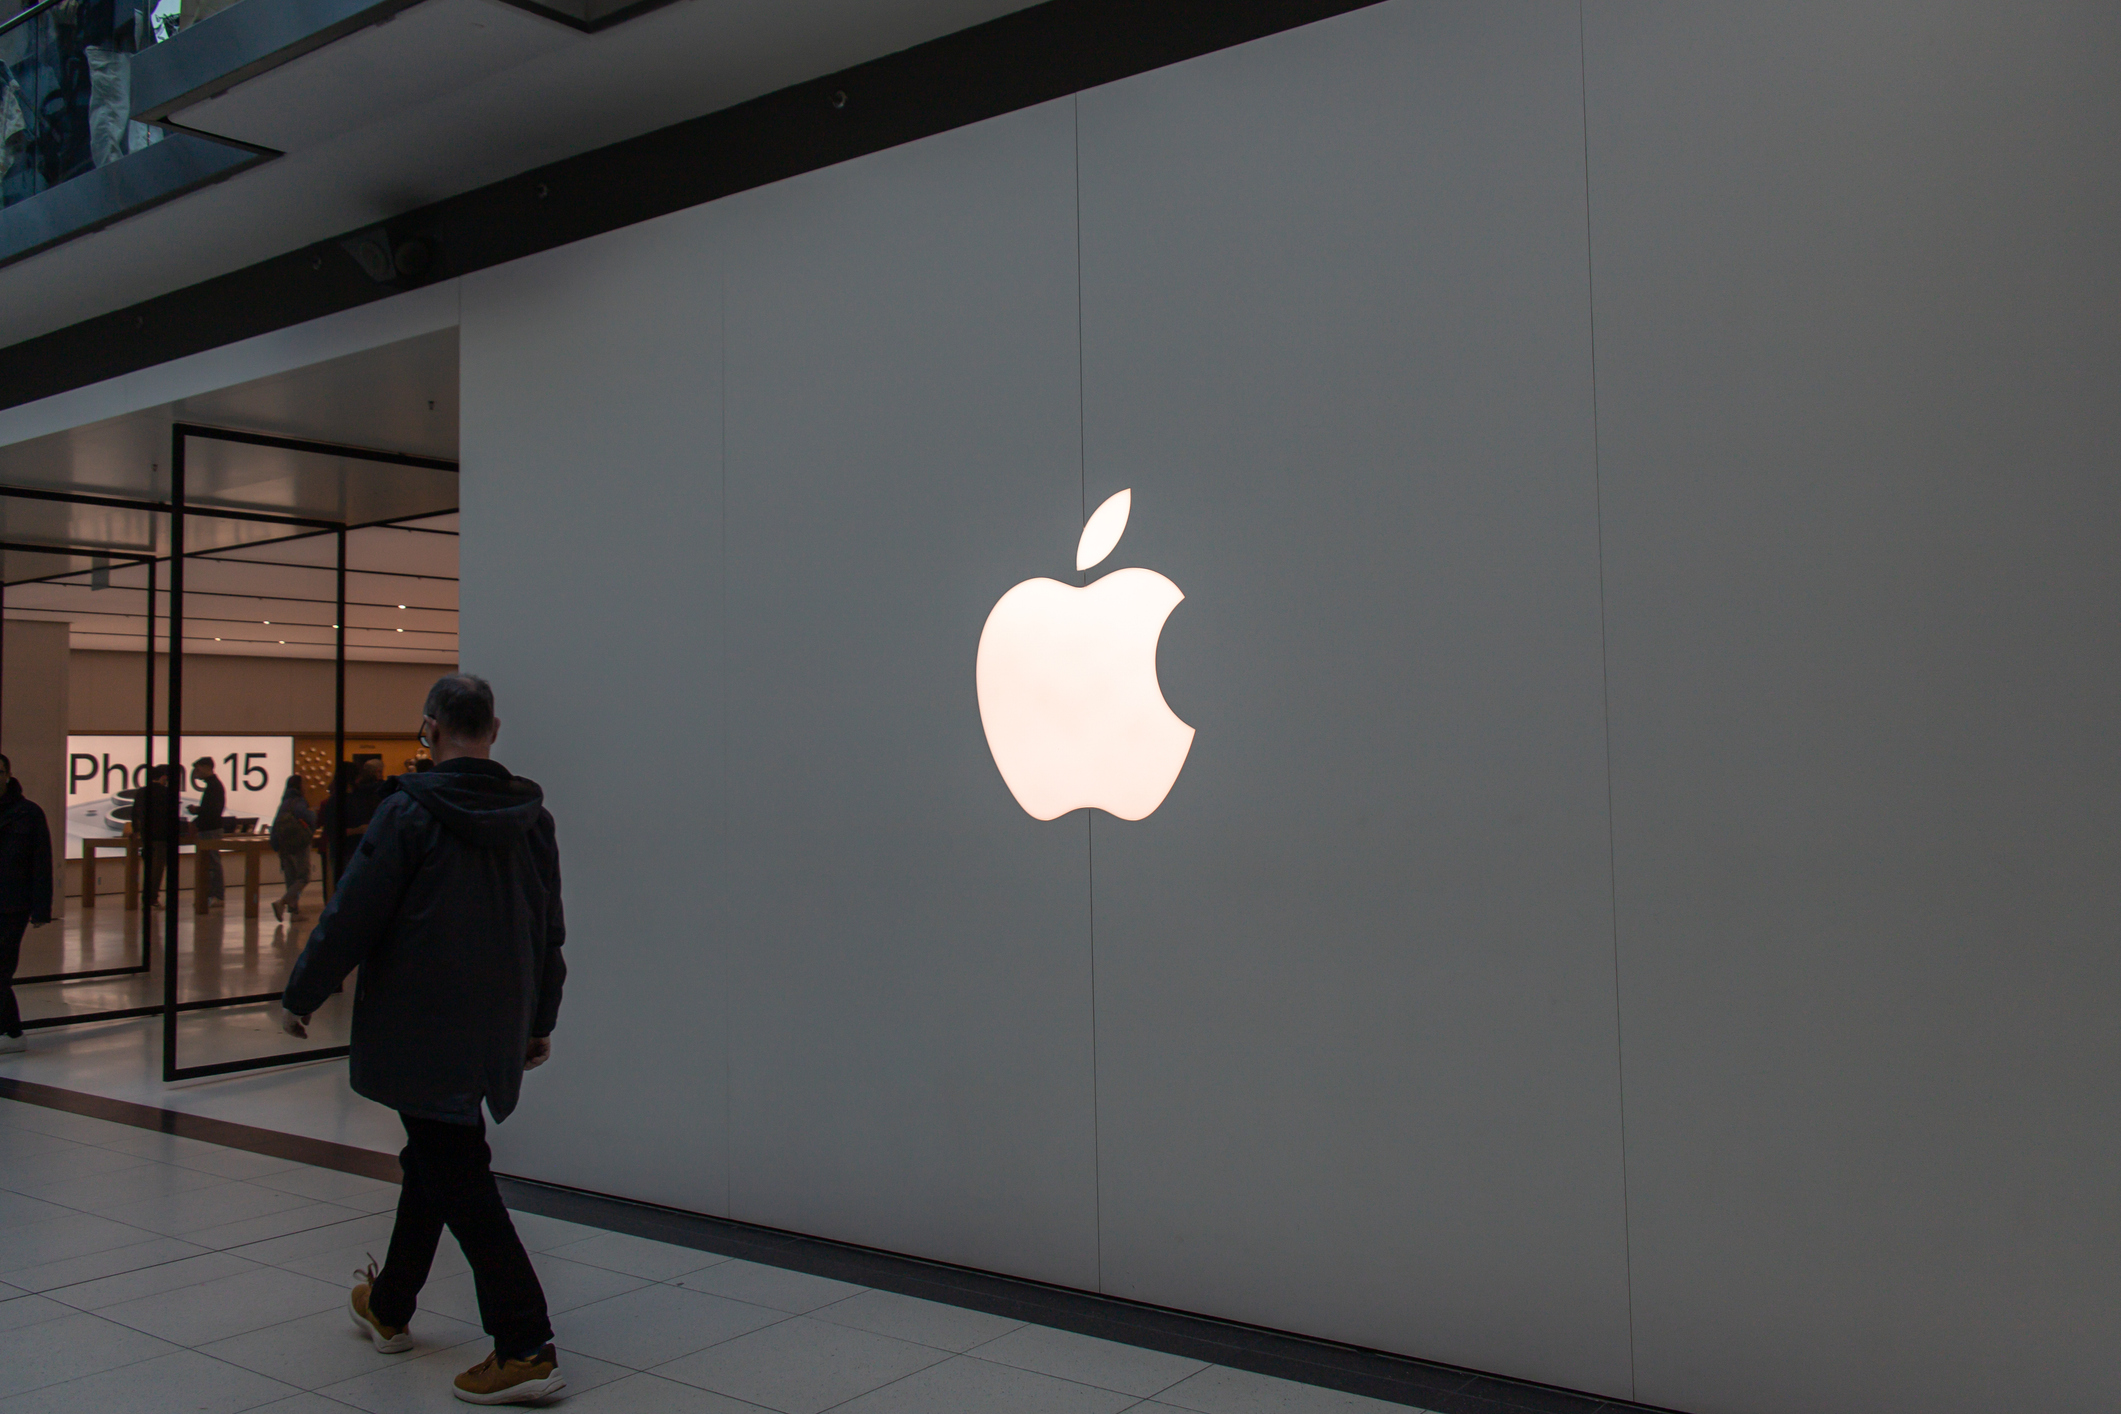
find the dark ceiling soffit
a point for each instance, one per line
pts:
(589, 24)
(177, 164)
(1048, 51)
(240, 43)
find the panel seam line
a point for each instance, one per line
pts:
(1082, 469)
(1605, 683)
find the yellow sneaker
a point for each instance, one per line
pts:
(391, 1340)
(497, 1381)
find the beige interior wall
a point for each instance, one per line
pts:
(225, 695)
(34, 686)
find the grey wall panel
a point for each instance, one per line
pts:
(910, 1052)
(591, 597)
(1349, 1057)
(1357, 1066)
(1859, 332)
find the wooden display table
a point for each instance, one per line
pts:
(131, 849)
(253, 848)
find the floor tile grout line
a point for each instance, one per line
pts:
(1102, 1389)
(867, 1392)
(54, 1295)
(121, 1365)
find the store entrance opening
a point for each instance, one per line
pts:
(245, 596)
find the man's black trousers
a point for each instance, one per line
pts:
(449, 1182)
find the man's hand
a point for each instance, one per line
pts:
(540, 1052)
(296, 1026)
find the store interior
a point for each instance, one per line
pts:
(272, 680)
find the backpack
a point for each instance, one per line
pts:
(288, 832)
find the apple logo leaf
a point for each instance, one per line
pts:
(1102, 531)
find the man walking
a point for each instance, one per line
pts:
(25, 892)
(450, 907)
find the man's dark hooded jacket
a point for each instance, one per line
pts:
(451, 909)
(150, 812)
(25, 857)
(212, 812)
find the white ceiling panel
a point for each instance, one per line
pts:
(417, 55)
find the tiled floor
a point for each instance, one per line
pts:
(141, 1271)
(223, 954)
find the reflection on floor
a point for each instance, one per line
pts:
(221, 954)
(141, 1270)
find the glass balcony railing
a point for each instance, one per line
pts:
(66, 86)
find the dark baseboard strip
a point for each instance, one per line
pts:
(1443, 1389)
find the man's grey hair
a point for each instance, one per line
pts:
(462, 705)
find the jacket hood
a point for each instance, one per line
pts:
(480, 802)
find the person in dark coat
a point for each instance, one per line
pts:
(450, 908)
(349, 808)
(25, 892)
(365, 795)
(209, 819)
(151, 825)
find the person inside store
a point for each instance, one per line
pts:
(209, 822)
(363, 788)
(25, 892)
(151, 824)
(294, 828)
(329, 814)
(451, 910)
(369, 787)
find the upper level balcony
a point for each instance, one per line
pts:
(74, 154)
(112, 106)
(207, 136)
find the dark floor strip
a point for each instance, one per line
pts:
(319, 1153)
(1443, 1389)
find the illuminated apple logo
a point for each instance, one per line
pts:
(1067, 686)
